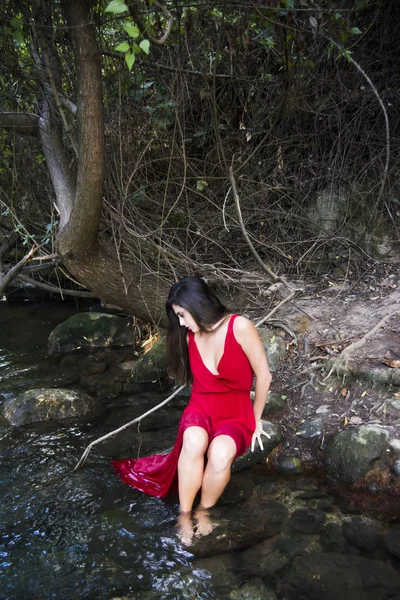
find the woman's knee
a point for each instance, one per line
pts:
(195, 441)
(222, 452)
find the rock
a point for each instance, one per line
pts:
(350, 454)
(91, 330)
(250, 458)
(326, 506)
(152, 367)
(241, 526)
(274, 346)
(394, 445)
(323, 409)
(395, 468)
(395, 404)
(311, 428)
(392, 541)
(307, 520)
(275, 403)
(253, 590)
(101, 385)
(263, 560)
(331, 576)
(333, 540)
(362, 533)
(286, 466)
(47, 404)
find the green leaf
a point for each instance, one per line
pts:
(290, 3)
(201, 185)
(132, 30)
(145, 46)
(355, 31)
(116, 7)
(122, 47)
(130, 60)
(19, 37)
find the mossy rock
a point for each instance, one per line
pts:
(274, 346)
(91, 330)
(44, 404)
(352, 452)
(152, 367)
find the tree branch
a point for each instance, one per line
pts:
(54, 289)
(22, 123)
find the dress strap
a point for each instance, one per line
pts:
(231, 321)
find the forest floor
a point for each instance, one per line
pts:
(328, 317)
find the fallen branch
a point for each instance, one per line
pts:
(84, 456)
(12, 273)
(48, 287)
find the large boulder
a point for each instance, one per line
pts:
(91, 330)
(351, 453)
(250, 458)
(241, 526)
(331, 576)
(46, 405)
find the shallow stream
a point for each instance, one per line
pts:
(83, 534)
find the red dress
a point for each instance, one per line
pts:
(220, 404)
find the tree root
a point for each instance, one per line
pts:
(340, 363)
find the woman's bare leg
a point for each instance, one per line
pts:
(191, 466)
(221, 453)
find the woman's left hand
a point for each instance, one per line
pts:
(259, 431)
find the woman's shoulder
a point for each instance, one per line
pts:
(242, 327)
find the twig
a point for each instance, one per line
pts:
(84, 456)
(291, 295)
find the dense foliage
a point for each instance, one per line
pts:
(297, 96)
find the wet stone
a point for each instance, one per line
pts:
(263, 560)
(332, 576)
(364, 534)
(333, 540)
(392, 541)
(326, 506)
(253, 590)
(240, 526)
(311, 428)
(307, 520)
(286, 466)
(311, 495)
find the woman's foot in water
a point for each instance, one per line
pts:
(184, 525)
(204, 525)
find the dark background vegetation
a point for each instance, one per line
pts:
(299, 98)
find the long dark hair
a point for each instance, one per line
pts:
(193, 294)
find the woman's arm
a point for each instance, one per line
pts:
(247, 336)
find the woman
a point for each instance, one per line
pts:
(219, 353)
